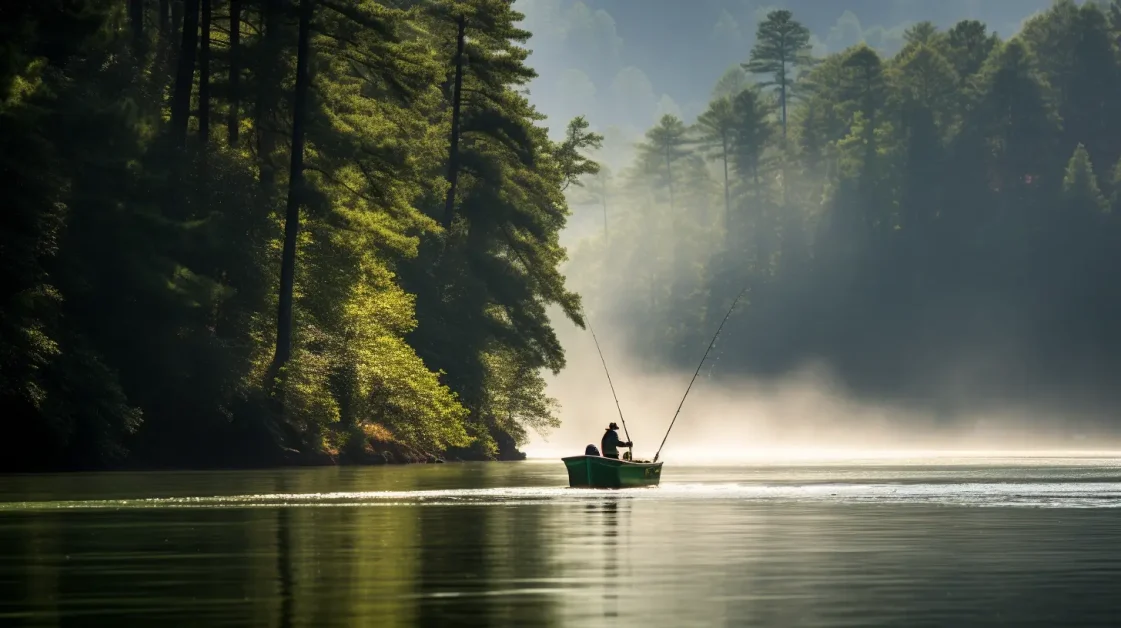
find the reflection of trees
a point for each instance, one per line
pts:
(611, 546)
(35, 544)
(603, 522)
(477, 564)
(342, 565)
(452, 562)
(284, 565)
(526, 559)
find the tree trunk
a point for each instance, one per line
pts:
(136, 22)
(232, 120)
(295, 192)
(669, 177)
(604, 197)
(457, 100)
(266, 134)
(204, 75)
(759, 217)
(284, 566)
(727, 192)
(755, 178)
(184, 76)
(782, 97)
(164, 45)
(175, 37)
(165, 18)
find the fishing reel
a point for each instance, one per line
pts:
(627, 455)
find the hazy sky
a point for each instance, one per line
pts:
(624, 63)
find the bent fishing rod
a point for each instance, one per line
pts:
(697, 372)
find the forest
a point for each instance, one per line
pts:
(940, 227)
(256, 232)
(260, 232)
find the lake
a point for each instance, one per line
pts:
(937, 542)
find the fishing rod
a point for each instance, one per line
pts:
(695, 373)
(601, 359)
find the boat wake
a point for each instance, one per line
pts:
(994, 494)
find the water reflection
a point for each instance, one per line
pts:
(610, 558)
(284, 561)
(610, 509)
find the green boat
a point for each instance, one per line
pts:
(600, 472)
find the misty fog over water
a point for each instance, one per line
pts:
(929, 244)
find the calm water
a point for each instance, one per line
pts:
(946, 543)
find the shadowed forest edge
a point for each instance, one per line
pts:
(266, 232)
(260, 231)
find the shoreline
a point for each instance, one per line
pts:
(397, 455)
(380, 455)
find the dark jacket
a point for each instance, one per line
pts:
(611, 444)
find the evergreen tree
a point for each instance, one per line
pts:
(732, 82)
(716, 125)
(750, 138)
(482, 291)
(1077, 57)
(782, 45)
(139, 279)
(969, 44)
(665, 145)
(599, 187)
(928, 208)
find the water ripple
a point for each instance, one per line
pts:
(976, 494)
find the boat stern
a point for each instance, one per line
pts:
(579, 471)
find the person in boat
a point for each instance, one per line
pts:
(611, 443)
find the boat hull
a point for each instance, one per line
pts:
(600, 472)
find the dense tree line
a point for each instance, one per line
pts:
(250, 231)
(940, 226)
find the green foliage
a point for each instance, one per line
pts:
(1080, 184)
(752, 132)
(140, 279)
(573, 163)
(733, 81)
(715, 126)
(483, 287)
(924, 79)
(666, 144)
(926, 216)
(782, 45)
(968, 44)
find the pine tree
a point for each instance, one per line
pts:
(233, 116)
(599, 187)
(1080, 184)
(732, 82)
(1077, 57)
(482, 290)
(295, 190)
(751, 136)
(665, 145)
(969, 44)
(184, 76)
(782, 45)
(716, 125)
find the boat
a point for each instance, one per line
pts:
(595, 471)
(600, 472)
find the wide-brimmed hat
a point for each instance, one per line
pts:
(613, 426)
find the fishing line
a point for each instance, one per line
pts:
(697, 372)
(601, 359)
